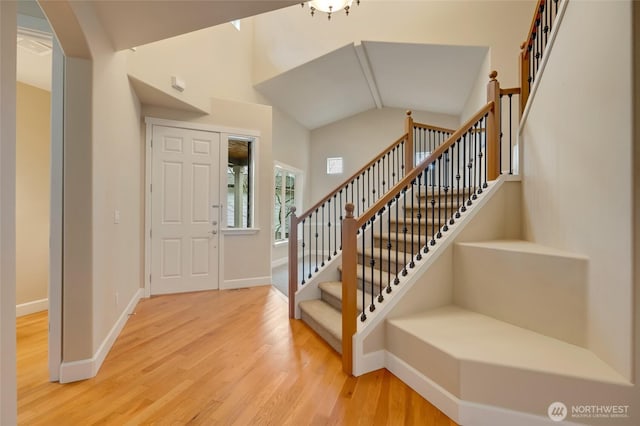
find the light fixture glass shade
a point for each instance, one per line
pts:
(329, 6)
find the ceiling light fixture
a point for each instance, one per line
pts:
(330, 6)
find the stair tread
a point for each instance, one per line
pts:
(522, 246)
(471, 336)
(424, 220)
(440, 192)
(400, 236)
(334, 288)
(385, 253)
(427, 204)
(325, 315)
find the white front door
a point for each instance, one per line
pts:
(185, 211)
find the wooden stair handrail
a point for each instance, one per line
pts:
(532, 27)
(510, 91)
(434, 128)
(351, 178)
(397, 188)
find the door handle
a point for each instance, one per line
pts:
(213, 232)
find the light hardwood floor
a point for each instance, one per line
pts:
(213, 358)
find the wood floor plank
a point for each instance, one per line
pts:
(227, 357)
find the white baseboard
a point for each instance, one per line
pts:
(279, 262)
(368, 362)
(32, 307)
(88, 368)
(460, 411)
(245, 282)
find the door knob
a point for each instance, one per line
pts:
(213, 232)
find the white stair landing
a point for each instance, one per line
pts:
(480, 359)
(526, 284)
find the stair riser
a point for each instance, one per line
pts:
(322, 332)
(425, 228)
(543, 292)
(382, 263)
(331, 300)
(426, 210)
(426, 193)
(336, 303)
(382, 243)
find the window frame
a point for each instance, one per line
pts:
(253, 182)
(297, 197)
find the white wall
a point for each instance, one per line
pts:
(103, 171)
(291, 146)
(358, 139)
(500, 25)
(224, 63)
(33, 134)
(214, 62)
(478, 94)
(577, 165)
(8, 399)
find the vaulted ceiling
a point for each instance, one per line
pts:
(342, 83)
(367, 75)
(135, 22)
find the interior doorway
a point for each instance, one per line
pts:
(39, 140)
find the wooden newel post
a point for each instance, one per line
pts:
(524, 77)
(349, 285)
(408, 149)
(293, 261)
(493, 128)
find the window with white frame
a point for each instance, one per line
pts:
(240, 182)
(334, 165)
(287, 193)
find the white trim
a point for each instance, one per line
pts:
(460, 411)
(147, 207)
(56, 214)
(240, 231)
(254, 184)
(245, 282)
(372, 361)
(297, 200)
(32, 307)
(76, 370)
(427, 388)
(88, 368)
(200, 126)
(279, 262)
(365, 65)
(8, 399)
(543, 64)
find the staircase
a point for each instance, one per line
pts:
(324, 315)
(492, 329)
(513, 335)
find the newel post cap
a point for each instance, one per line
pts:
(349, 208)
(493, 75)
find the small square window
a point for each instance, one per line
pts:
(334, 165)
